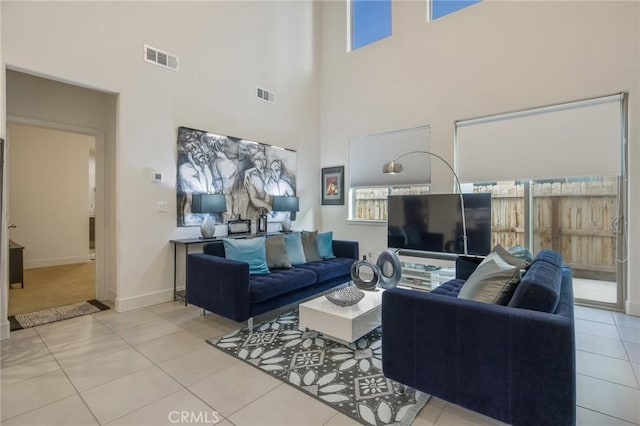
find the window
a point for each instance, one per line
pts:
(369, 187)
(560, 185)
(439, 8)
(370, 21)
(370, 204)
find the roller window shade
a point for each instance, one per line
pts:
(574, 139)
(368, 154)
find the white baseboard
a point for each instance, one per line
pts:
(632, 308)
(124, 304)
(43, 263)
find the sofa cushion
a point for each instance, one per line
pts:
(295, 251)
(450, 288)
(492, 281)
(325, 245)
(250, 250)
(278, 282)
(329, 268)
(277, 257)
(539, 289)
(310, 245)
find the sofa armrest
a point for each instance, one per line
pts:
(512, 364)
(346, 249)
(218, 285)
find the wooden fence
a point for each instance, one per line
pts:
(575, 219)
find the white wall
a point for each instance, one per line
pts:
(226, 49)
(48, 194)
(489, 58)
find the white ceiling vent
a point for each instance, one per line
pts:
(266, 95)
(158, 57)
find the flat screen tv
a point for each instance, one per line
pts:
(433, 223)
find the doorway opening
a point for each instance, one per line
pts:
(51, 182)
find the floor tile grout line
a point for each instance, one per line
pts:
(111, 351)
(70, 382)
(605, 414)
(174, 378)
(129, 327)
(74, 340)
(136, 409)
(606, 356)
(187, 388)
(206, 403)
(262, 395)
(608, 381)
(112, 380)
(153, 364)
(143, 406)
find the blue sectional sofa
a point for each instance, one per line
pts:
(225, 287)
(515, 363)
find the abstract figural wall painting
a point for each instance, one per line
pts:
(248, 173)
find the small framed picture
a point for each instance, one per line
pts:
(333, 185)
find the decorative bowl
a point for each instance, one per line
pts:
(346, 296)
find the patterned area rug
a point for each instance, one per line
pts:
(347, 377)
(46, 316)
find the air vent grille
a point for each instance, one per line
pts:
(265, 95)
(160, 58)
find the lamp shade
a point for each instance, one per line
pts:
(392, 167)
(285, 204)
(208, 203)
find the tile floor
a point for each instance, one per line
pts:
(148, 366)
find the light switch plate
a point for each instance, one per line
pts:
(161, 207)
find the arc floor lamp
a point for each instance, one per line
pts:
(395, 167)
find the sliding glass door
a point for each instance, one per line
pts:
(578, 217)
(558, 176)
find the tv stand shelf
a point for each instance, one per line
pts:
(425, 276)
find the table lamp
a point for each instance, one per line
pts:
(286, 204)
(208, 203)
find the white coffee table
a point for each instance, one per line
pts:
(345, 324)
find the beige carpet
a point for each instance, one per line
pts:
(53, 287)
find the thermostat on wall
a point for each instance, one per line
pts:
(157, 176)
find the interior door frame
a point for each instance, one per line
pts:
(101, 288)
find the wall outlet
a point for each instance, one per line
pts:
(162, 207)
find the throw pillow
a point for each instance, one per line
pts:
(295, 251)
(493, 281)
(310, 245)
(510, 258)
(522, 253)
(325, 245)
(250, 250)
(277, 257)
